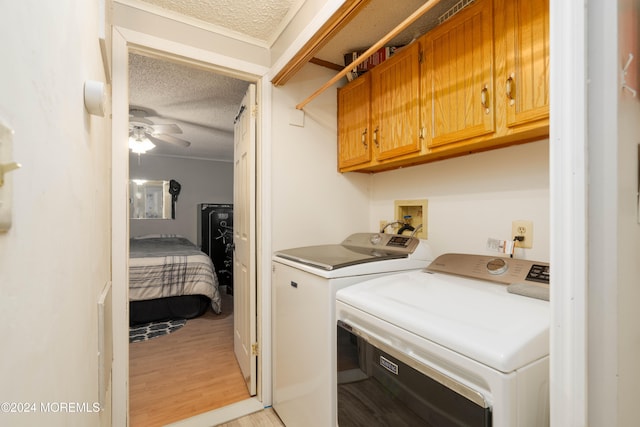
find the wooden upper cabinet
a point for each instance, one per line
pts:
(395, 86)
(478, 81)
(457, 76)
(522, 41)
(354, 118)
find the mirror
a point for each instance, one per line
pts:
(149, 199)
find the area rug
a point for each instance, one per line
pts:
(151, 330)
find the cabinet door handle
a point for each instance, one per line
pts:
(375, 137)
(511, 90)
(364, 138)
(484, 98)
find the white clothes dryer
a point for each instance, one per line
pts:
(455, 344)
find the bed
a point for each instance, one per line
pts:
(169, 277)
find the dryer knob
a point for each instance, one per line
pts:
(497, 266)
(375, 239)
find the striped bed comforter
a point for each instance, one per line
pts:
(169, 265)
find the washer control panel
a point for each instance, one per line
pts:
(539, 273)
(390, 242)
(490, 268)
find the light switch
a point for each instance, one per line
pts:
(296, 118)
(7, 165)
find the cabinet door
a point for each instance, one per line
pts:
(457, 73)
(354, 116)
(524, 24)
(395, 87)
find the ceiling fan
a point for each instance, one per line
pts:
(144, 134)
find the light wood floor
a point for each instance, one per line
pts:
(188, 372)
(266, 418)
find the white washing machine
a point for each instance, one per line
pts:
(456, 344)
(304, 286)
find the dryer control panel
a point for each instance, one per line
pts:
(522, 277)
(493, 269)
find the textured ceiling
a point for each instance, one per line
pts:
(259, 19)
(203, 104)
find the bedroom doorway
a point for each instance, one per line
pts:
(207, 160)
(120, 174)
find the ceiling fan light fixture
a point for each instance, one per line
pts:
(140, 145)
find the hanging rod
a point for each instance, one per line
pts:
(397, 30)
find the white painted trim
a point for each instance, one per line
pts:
(264, 247)
(225, 64)
(568, 183)
(120, 229)
(123, 39)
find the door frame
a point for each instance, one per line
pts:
(124, 39)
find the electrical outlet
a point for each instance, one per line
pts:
(525, 230)
(383, 224)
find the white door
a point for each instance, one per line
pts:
(244, 272)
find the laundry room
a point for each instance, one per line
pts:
(308, 194)
(507, 192)
(472, 201)
(484, 167)
(471, 198)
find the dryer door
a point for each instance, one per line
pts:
(377, 385)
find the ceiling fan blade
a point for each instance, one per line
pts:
(168, 128)
(136, 119)
(138, 112)
(169, 139)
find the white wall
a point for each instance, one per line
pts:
(312, 203)
(202, 181)
(473, 198)
(603, 378)
(55, 260)
(628, 218)
(614, 232)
